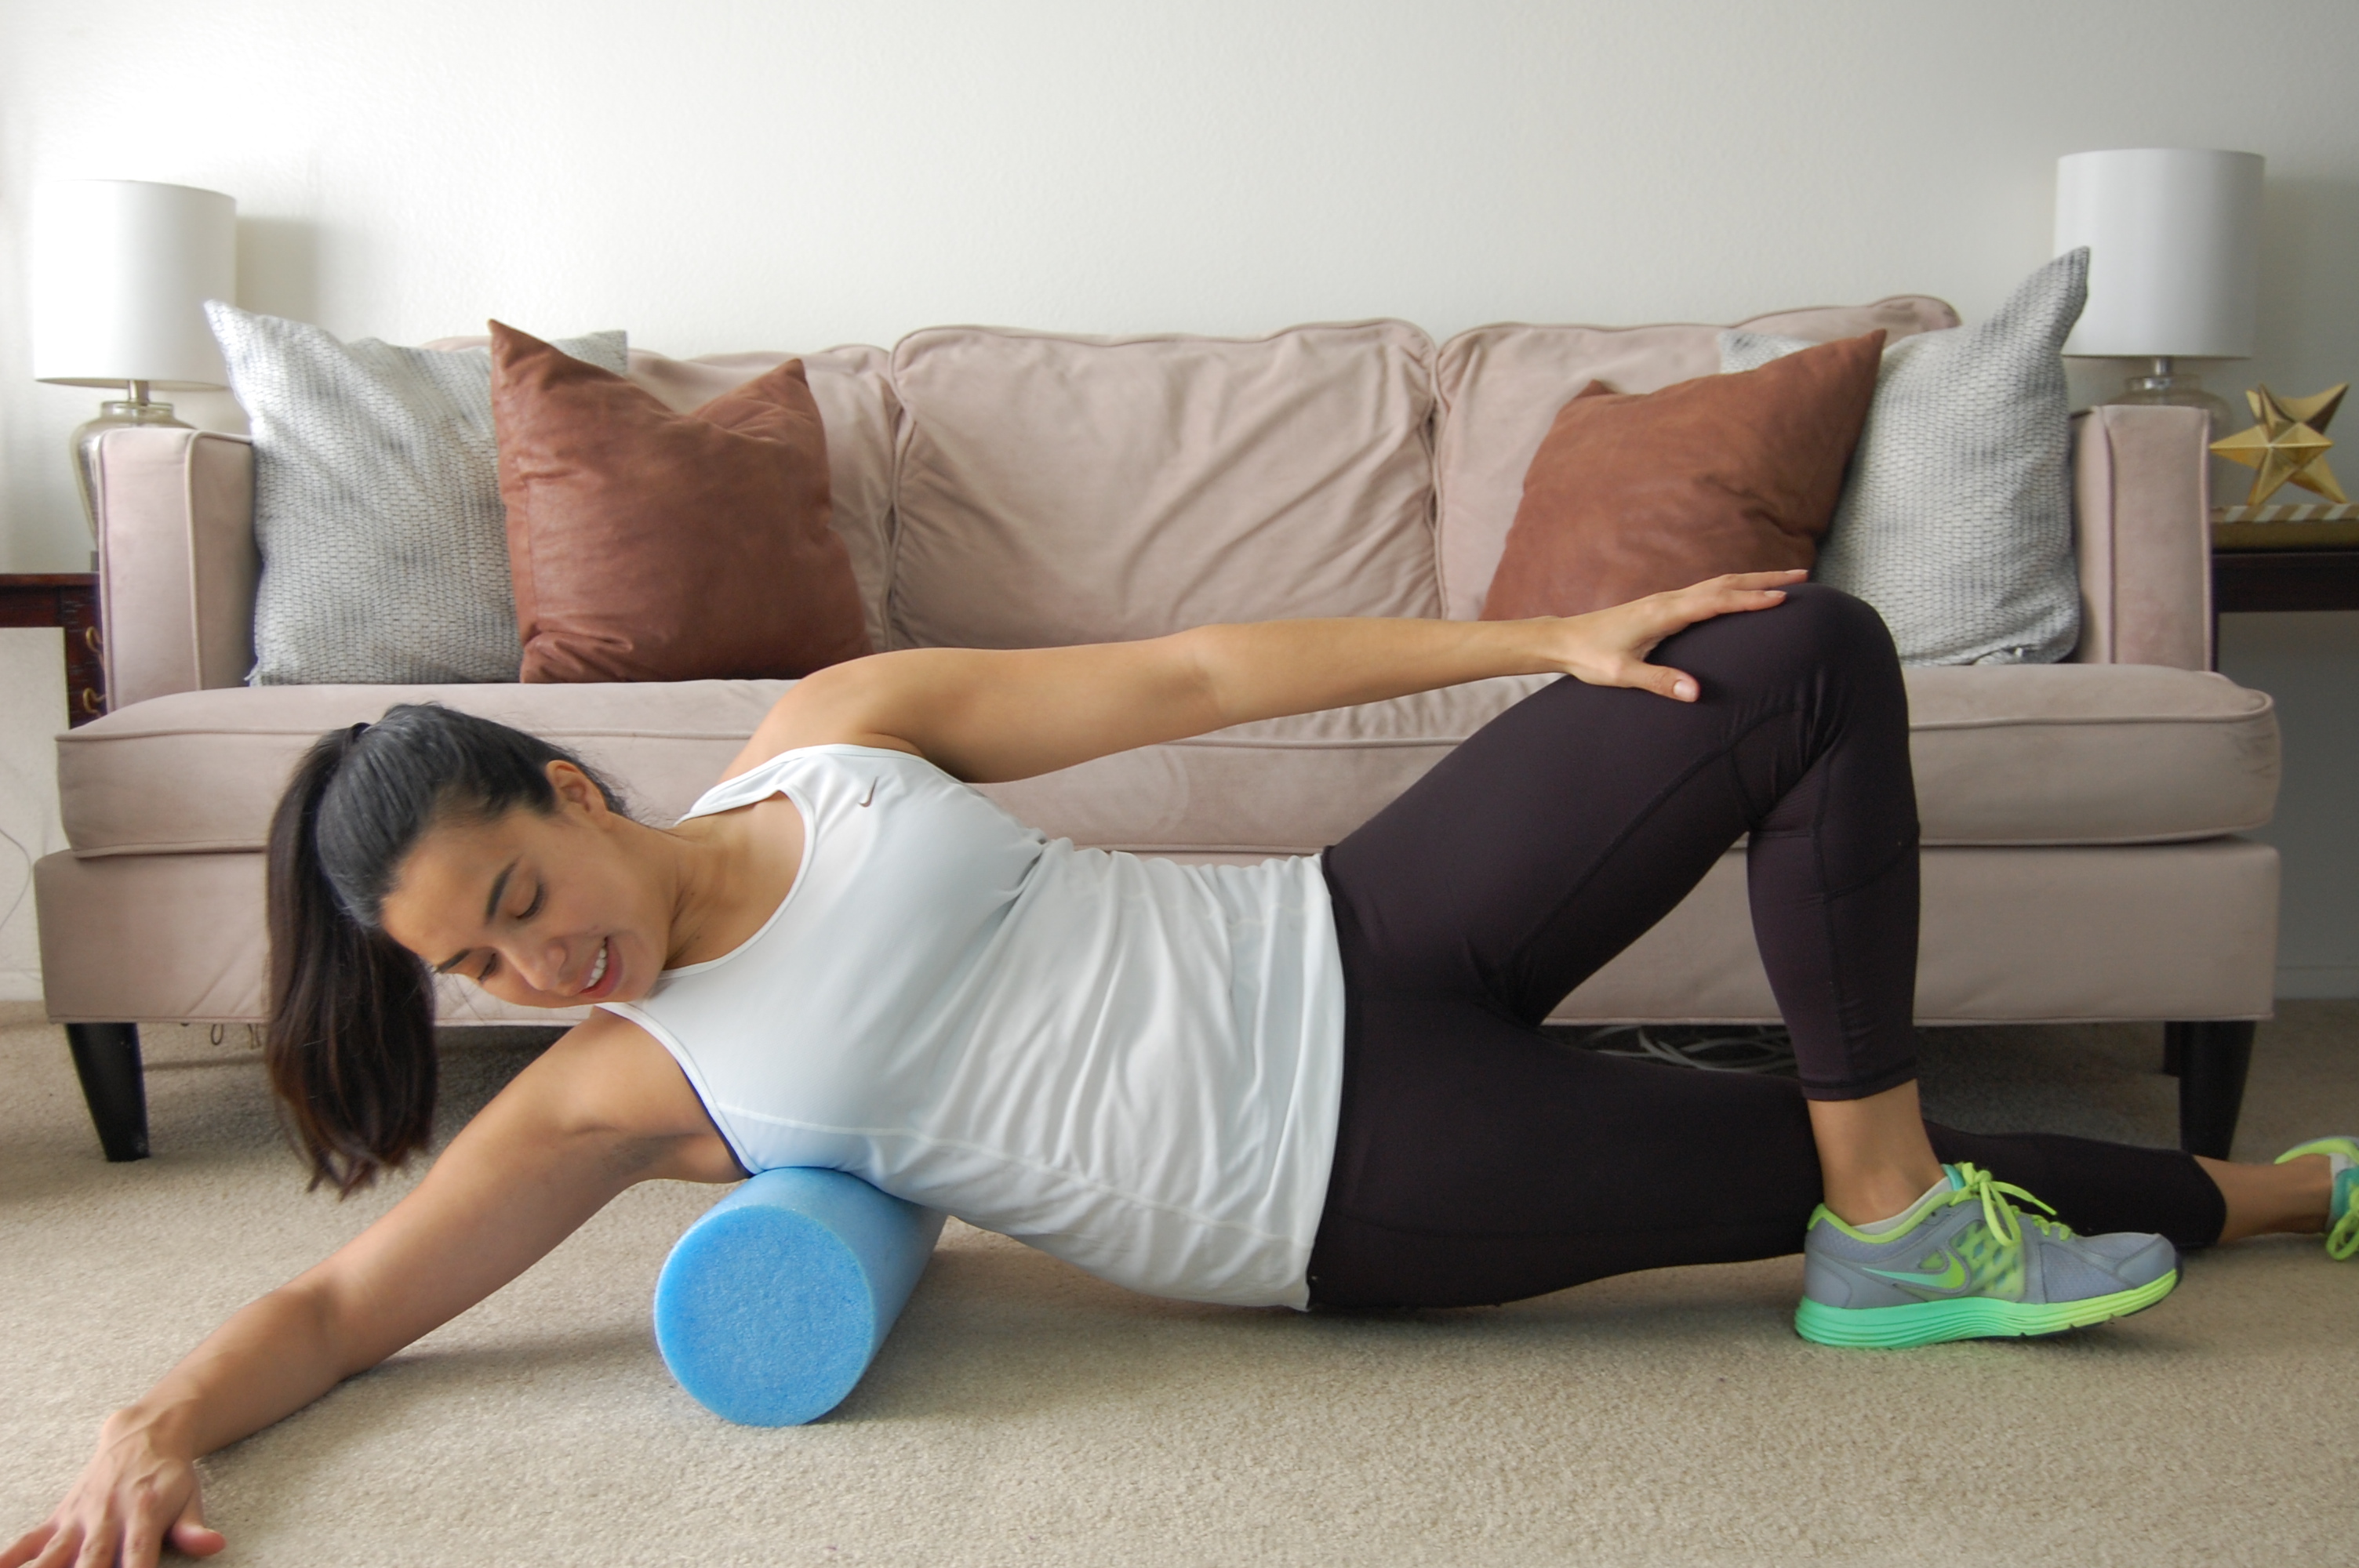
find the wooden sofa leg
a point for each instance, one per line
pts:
(107, 1058)
(2210, 1059)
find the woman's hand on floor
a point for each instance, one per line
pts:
(135, 1496)
(1609, 647)
(572, 1130)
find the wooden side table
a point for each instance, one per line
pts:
(2290, 555)
(2285, 580)
(70, 600)
(2324, 576)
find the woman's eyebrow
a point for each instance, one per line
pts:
(491, 913)
(499, 886)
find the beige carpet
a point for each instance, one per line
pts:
(1023, 1413)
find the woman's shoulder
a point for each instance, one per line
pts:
(807, 771)
(843, 757)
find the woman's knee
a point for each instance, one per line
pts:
(1832, 619)
(1817, 627)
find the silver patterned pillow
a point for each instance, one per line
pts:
(376, 504)
(1956, 521)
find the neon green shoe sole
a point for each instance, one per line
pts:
(1969, 1317)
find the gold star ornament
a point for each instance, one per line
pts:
(2287, 443)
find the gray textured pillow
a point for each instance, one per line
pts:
(376, 504)
(1956, 521)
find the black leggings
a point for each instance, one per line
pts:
(1480, 1160)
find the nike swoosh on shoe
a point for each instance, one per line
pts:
(1950, 1279)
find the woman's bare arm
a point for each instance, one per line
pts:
(986, 716)
(592, 1116)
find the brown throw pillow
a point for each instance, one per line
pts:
(1634, 494)
(647, 545)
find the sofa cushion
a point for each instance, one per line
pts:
(1056, 490)
(2036, 754)
(853, 388)
(1642, 492)
(1956, 522)
(1499, 387)
(201, 771)
(740, 577)
(376, 504)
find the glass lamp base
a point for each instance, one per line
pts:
(2166, 386)
(124, 414)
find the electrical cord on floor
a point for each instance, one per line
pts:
(1714, 1048)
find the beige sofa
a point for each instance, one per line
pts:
(1002, 488)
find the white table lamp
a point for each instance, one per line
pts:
(120, 271)
(2174, 262)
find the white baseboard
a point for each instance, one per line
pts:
(2309, 980)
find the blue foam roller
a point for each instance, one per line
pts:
(772, 1306)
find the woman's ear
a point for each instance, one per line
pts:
(577, 790)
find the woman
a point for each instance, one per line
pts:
(1312, 1082)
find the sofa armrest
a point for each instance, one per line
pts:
(177, 561)
(2142, 522)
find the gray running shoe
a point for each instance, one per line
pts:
(1974, 1266)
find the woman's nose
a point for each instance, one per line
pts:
(543, 967)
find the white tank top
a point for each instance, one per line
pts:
(1132, 1064)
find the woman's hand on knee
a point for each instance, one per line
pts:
(1609, 647)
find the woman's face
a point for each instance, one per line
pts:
(553, 910)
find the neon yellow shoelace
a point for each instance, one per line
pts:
(1998, 1213)
(2343, 1240)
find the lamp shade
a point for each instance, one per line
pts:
(2174, 249)
(120, 271)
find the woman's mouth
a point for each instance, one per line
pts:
(595, 983)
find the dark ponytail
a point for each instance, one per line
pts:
(350, 1046)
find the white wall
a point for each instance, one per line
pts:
(32, 709)
(769, 174)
